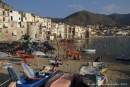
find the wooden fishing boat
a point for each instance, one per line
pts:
(27, 82)
(102, 66)
(60, 80)
(93, 74)
(89, 80)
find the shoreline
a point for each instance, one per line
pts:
(109, 36)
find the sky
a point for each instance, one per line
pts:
(63, 8)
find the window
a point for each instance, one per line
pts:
(19, 18)
(35, 35)
(3, 18)
(11, 18)
(0, 29)
(3, 12)
(21, 31)
(10, 11)
(6, 31)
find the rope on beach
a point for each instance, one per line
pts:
(6, 81)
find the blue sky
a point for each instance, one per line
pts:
(63, 8)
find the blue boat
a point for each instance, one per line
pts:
(29, 82)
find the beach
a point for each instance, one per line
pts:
(118, 73)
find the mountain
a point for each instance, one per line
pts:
(56, 20)
(83, 18)
(120, 18)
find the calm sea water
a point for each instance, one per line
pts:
(116, 46)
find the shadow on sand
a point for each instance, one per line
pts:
(3, 78)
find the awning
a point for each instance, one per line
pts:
(14, 32)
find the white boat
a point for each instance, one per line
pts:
(88, 71)
(102, 66)
(88, 50)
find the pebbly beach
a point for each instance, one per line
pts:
(118, 72)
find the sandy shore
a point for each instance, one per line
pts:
(118, 73)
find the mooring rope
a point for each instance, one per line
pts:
(6, 81)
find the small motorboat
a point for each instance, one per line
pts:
(94, 74)
(60, 80)
(123, 58)
(88, 50)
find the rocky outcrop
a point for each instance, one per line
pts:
(5, 6)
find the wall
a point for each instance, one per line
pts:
(31, 30)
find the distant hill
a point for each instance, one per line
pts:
(120, 18)
(56, 20)
(84, 17)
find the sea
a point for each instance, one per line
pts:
(108, 47)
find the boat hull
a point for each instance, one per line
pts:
(88, 82)
(121, 58)
(33, 83)
(102, 66)
(89, 70)
(60, 80)
(88, 50)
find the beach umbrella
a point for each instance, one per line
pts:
(36, 41)
(38, 53)
(15, 43)
(7, 48)
(24, 41)
(2, 54)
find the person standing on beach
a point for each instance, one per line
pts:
(98, 59)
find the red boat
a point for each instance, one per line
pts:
(60, 80)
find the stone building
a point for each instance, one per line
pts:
(18, 26)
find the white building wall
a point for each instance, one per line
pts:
(14, 16)
(29, 17)
(61, 30)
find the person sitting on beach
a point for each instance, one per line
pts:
(67, 56)
(79, 57)
(57, 64)
(98, 59)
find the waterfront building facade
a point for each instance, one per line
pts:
(14, 24)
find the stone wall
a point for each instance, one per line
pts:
(6, 34)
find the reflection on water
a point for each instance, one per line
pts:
(108, 47)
